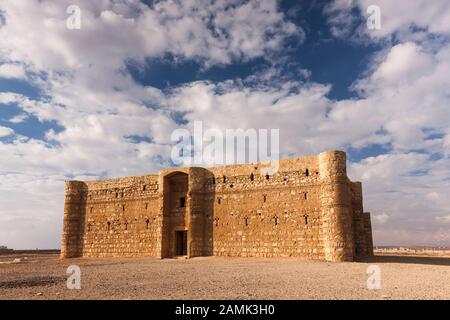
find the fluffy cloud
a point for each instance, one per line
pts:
(409, 20)
(339, 15)
(404, 99)
(259, 108)
(406, 62)
(381, 218)
(112, 31)
(19, 118)
(12, 71)
(404, 19)
(445, 219)
(412, 190)
(30, 215)
(4, 131)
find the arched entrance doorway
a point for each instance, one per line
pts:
(176, 204)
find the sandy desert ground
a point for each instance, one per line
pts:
(44, 276)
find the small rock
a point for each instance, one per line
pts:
(17, 260)
(39, 294)
(385, 296)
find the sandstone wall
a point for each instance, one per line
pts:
(368, 234)
(267, 215)
(117, 217)
(309, 208)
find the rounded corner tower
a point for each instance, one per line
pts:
(74, 212)
(336, 207)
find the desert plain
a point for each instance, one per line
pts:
(44, 276)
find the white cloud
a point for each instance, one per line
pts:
(411, 20)
(381, 218)
(218, 31)
(406, 93)
(433, 195)
(12, 71)
(445, 219)
(8, 97)
(339, 18)
(19, 118)
(402, 192)
(5, 131)
(403, 18)
(446, 144)
(405, 63)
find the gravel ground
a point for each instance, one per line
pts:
(44, 276)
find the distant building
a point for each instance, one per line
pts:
(309, 209)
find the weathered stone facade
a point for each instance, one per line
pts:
(308, 209)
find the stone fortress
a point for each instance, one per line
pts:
(308, 209)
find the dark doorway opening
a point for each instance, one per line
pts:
(182, 202)
(181, 243)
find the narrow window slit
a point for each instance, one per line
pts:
(275, 218)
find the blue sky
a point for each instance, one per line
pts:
(102, 101)
(331, 60)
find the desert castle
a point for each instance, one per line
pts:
(309, 208)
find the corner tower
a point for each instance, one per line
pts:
(74, 215)
(336, 207)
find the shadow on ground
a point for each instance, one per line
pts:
(439, 261)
